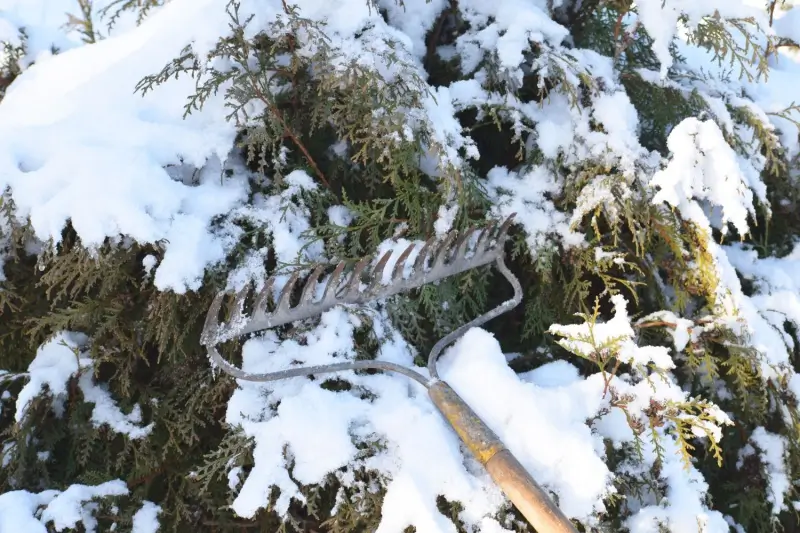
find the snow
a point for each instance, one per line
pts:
(615, 336)
(660, 19)
(43, 27)
(148, 263)
(446, 217)
(563, 455)
(777, 287)
(684, 504)
(72, 506)
(542, 422)
(78, 145)
(541, 416)
(440, 107)
(340, 215)
(772, 94)
(681, 329)
(106, 412)
(772, 448)
(413, 18)
(524, 192)
(286, 221)
(17, 510)
(704, 167)
(75, 131)
(55, 364)
(31, 512)
(787, 24)
(146, 518)
(234, 477)
(87, 113)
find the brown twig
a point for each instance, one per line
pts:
(436, 34)
(607, 380)
(622, 42)
(772, 48)
(772, 6)
(289, 133)
(618, 25)
(657, 324)
(223, 524)
(148, 477)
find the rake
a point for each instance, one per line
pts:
(436, 260)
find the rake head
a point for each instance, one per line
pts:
(437, 259)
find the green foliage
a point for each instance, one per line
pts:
(144, 343)
(83, 22)
(9, 61)
(114, 9)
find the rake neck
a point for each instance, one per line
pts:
(454, 335)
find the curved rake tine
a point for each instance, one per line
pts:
(377, 271)
(260, 305)
(331, 287)
(460, 246)
(502, 232)
(441, 251)
(353, 284)
(284, 300)
(399, 266)
(419, 264)
(484, 238)
(308, 290)
(437, 259)
(237, 314)
(211, 326)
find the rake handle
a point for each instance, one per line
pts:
(506, 471)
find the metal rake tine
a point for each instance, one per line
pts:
(353, 283)
(437, 259)
(460, 246)
(377, 271)
(484, 238)
(260, 305)
(419, 264)
(442, 249)
(284, 300)
(311, 285)
(238, 311)
(333, 281)
(211, 326)
(401, 261)
(502, 232)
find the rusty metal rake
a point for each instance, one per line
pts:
(436, 260)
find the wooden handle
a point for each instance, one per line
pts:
(528, 497)
(506, 471)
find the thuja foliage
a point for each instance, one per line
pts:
(144, 342)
